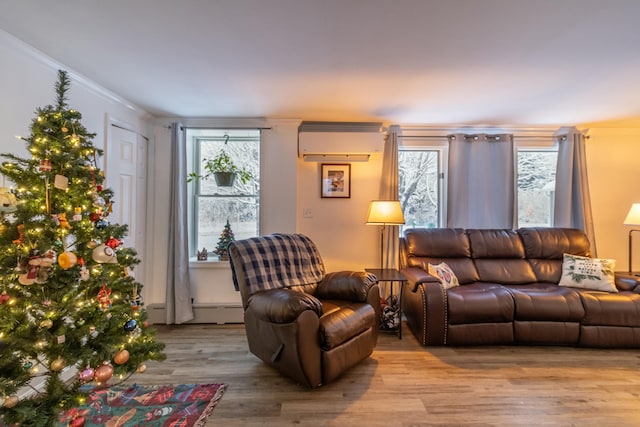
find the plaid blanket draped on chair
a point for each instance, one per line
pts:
(278, 260)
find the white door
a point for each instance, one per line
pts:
(126, 171)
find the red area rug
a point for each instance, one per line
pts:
(184, 405)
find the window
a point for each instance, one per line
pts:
(536, 186)
(421, 173)
(211, 206)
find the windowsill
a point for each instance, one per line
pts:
(209, 264)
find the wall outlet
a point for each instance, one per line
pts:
(307, 213)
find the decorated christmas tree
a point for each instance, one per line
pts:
(70, 309)
(225, 238)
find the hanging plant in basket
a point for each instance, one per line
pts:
(223, 169)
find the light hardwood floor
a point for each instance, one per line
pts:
(405, 384)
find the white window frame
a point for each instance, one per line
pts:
(193, 190)
(442, 148)
(540, 144)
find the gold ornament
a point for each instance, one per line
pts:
(66, 260)
(46, 323)
(121, 357)
(58, 364)
(11, 401)
(104, 372)
(142, 368)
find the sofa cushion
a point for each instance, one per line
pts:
(588, 273)
(443, 272)
(479, 303)
(545, 247)
(547, 302)
(499, 257)
(426, 246)
(606, 309)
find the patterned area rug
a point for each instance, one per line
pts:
(183, 405)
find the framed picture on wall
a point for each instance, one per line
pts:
(335, 180)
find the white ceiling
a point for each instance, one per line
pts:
(516, 62)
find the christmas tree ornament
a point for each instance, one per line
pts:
(61, 182)
(98, 201)
(77, 214)
(57, 365)
(46, 323)
(121, 357)
(86, 375)
(94, 216)
(101, 224)
(8, 201)
(142, 368)
(11, 401)
(4, 297)
(67, 259)
(104, 372)
(45, 165)
(103, 254)
(64, 223)
(130, 325)
(20, 240)
(113, 243)
(104, 298)
(92, 244)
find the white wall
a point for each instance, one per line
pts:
(337, 226)
(613, 163)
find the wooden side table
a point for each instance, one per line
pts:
(393, 276)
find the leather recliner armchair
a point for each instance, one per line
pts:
(309, 325)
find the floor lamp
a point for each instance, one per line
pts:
(383, 213)
(633, 218)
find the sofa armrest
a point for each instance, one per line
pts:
(416, 276)
(282, 305)
(346, 285)
(425, 306)
(627, 282)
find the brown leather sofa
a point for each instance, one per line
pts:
(509, 291)
(310, 325)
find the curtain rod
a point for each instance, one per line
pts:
(224, 127)
(514, 136)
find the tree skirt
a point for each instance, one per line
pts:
(183, 405)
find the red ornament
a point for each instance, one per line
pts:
(4, 297)
(98, 188)
(94, 216)
(104, 297)
(45, 165)
(113, 243)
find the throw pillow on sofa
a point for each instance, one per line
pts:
(443, 272)
(588, 273)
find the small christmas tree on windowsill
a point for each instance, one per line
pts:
(226, 237)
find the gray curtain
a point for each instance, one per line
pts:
(572, 203)
(482, 181)
(178, 295)
(389, 191)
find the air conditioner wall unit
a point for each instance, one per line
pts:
(339, 142)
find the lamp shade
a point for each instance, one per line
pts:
(383, 212)
(633, 217)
